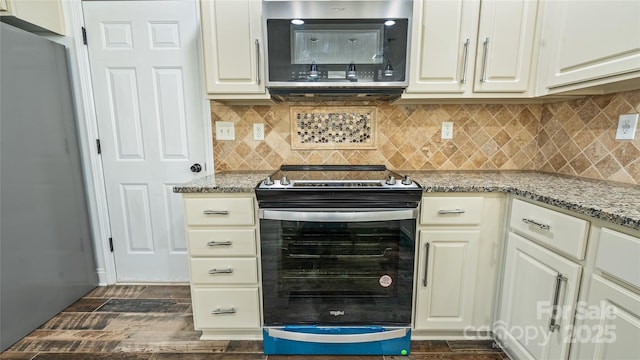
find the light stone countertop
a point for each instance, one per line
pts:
(609, 201)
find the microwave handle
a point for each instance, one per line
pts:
(257, 61)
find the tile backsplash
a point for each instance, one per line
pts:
(574, 137)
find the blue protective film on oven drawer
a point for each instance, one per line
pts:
(321, 340)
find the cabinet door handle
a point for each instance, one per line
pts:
(426, 265)
(219, 243)
(485, 45)
(220, 271)
(536, 224)
(553, 323)
(465, 58)
(219, 311)
(451, 211)
(257, 61)
(216, 212)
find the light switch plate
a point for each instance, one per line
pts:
(225, 130)
(627, 124)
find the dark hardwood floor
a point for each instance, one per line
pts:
(155, 323)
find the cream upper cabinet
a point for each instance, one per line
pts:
(471, 48)
(443, 44)
(589, 41)
(233, 49)
(34, 15)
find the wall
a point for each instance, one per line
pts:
(577, 137)
(570, 137)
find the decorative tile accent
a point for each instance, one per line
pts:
(574, 137)
(333, 127)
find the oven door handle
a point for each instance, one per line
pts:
(338, 215)
(337, 338)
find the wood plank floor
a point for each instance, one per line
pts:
(141, 322)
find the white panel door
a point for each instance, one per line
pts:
(145, 72)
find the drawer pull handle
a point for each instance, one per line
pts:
(220, 271)
(216, 212)
(553, 323)
(426, 265)
(454, 211)
(536, 224)
(219, 311)
(219, 243)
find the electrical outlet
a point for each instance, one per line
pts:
(225, 130)
(627, 125)
(447, 130)
(258, 131)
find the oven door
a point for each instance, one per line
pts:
(329, 267)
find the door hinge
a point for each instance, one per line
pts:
(111, 244)
(84, 35)
(98, 146)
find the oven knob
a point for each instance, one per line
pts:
(267, 181)
(388, 71)
(406, 180)
(351, 72)
(284, 181)
(391, 180)
(313, 71)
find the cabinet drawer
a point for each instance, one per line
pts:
(232, 242)
(226, 308)
(451, 210)
(559, 231)
(219, 211)
(224, 271)
(619, 255)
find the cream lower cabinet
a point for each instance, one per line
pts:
(446, 278)
(456, 269)
(542, 272)
(223, 264)
(536, 280)
(608, 320)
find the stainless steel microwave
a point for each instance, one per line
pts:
(315, 46)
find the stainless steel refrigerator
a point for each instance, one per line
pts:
(46, 255)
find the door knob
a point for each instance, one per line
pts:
(196, 168)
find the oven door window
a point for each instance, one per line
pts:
(337, 272)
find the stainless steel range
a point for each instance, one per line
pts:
(337, 247)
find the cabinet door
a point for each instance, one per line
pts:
(443, 46)
(588, 40)
(608, 327)
(232, 36)
(505, 46)
(34, 15)
(534, 279)
(446, 279)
